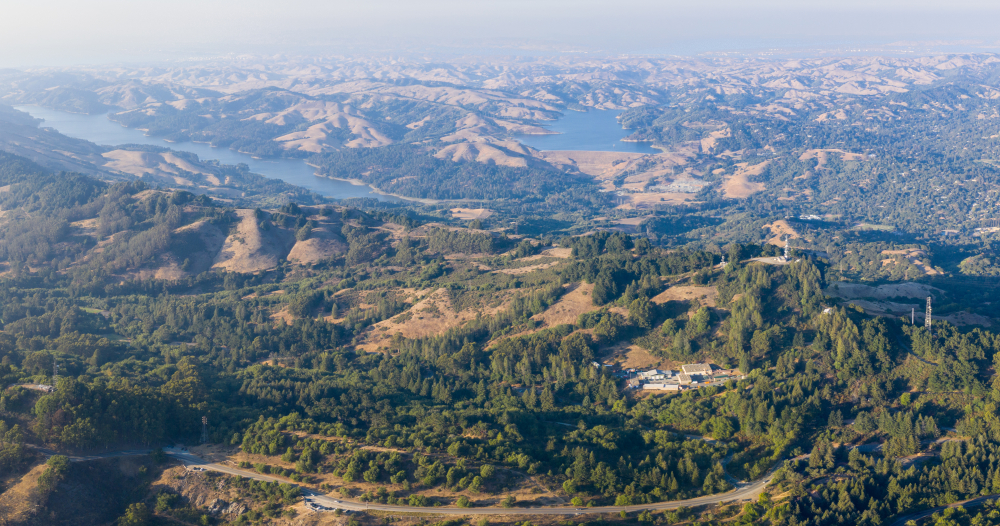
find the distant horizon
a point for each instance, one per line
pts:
(901, 50)
(60, 33)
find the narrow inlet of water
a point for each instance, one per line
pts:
(100, 130)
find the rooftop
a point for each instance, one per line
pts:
(697, 368)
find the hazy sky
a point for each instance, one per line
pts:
(62, 32)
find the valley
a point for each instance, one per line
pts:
(384, 284)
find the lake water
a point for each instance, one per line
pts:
(596, 130)
(99, 129)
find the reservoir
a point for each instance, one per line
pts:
(99, 129)
(594, 130)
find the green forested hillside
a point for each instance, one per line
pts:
(419, 355)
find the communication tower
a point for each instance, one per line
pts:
(55, 372)
(913, 316)
(204, 429)
(786, 249)
(927, 317)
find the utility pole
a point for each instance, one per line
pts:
(927, 317)
(204, 429)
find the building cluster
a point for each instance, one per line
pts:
(691, 376)
(685, 187)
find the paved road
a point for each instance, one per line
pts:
(129, 453)
(744, 492)
(971, 503)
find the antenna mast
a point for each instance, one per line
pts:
(204, 429)
(927, 317)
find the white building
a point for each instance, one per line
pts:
(662, 387)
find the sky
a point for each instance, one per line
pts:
(71, 32)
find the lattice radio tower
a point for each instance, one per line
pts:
(204, 429)
(927, 317)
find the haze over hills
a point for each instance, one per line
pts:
(549, 330)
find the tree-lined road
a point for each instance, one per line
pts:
(744, 492)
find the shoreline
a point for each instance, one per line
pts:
(421, 200)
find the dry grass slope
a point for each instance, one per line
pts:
(252, 250)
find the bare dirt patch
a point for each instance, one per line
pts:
(916, 257)
(87, 227)
(20, 502)
(636, 357)
(708, 143)
(705, 295)
(739, 186)
(526, 270)
(570, 306)
(322, 244)
(250, 249)
(283, 316)
(648, 200)
(600, 165)
(780, 230)
(558, 252)
(431, 315)
(822, 155)
(469, 214)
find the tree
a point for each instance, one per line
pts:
(699, 322)
(476, 485)
(864, 423)
(640, 312)
(136, 515)
(464, 502)
(487, 471)
(569, 486)
(55, 470)
(166, 501)
(508, 501)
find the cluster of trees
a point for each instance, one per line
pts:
(879, 488)
(408, 170)
(442, 241)
(499, 390)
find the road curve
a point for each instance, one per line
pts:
(128, 453)
(971, 503)
(745, 492)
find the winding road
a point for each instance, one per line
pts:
(743, 492)
(971, 503)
